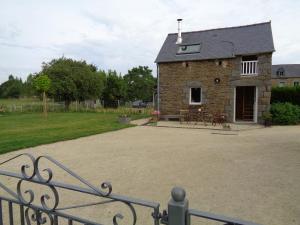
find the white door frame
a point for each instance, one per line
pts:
(255, 105)
(234, 99)
(255, 108)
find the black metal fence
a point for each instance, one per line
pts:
(26, 206)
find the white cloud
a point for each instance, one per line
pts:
(120, 34)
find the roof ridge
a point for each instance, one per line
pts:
(288, 64)
(222, 28)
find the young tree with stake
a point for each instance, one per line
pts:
(42, 84)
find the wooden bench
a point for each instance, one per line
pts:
(170, 117)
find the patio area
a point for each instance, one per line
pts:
(226, 127)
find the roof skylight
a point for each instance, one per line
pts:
(188, 49)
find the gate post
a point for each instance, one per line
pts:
(177, 207)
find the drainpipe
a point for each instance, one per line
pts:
(158, 89)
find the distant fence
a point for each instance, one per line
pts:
(33, 107)
(74, 106)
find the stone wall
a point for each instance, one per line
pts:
(177, 78)
(262, 82)
(287, 81)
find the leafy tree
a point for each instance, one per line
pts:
(115, 89)
(73, 80)
(42, 84)
(28, 86)
(12, 88)
(140, 83)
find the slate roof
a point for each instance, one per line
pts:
(290, 70)
(220, 43)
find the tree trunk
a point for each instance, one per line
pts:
(67, 105)
(45, 104)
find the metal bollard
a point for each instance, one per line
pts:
(177, 207)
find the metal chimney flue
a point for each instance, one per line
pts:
(179, 38)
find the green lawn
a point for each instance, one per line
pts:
(31, 129)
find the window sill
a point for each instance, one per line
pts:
(249, 75)
(195, 103)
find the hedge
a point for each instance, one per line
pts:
(286, 94)
(285, 113)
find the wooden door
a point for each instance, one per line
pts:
(245, 98)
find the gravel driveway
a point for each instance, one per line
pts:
(254, 175)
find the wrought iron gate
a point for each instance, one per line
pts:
(48, 209)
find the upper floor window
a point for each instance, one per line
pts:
(195, 96)
(249, 65)
(280, 72)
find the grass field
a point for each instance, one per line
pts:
(19, 130)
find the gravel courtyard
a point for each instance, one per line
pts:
(254, 175)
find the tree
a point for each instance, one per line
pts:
(28, 87)
(115, 89)
(73, 80)
(12, 88)
(140, 83)
(42, 84)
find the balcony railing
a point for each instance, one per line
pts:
(249, 68)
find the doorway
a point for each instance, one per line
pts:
(245, 103)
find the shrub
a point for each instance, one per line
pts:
(285, 113)
(267, 116)
(286, 94)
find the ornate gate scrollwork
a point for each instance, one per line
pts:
(48, 207)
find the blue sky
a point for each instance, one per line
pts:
(120, 34)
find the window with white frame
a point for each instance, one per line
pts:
(195, 95)
(281, 84)
(296, 83)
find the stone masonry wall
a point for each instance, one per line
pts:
(287, 81)
(262, 81)
(177, 78)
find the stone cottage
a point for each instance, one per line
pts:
(286, 75)
(227, 69)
